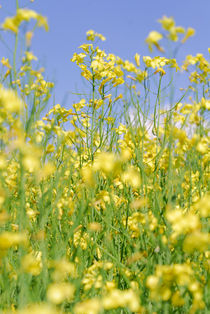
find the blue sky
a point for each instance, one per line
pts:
(124, 23)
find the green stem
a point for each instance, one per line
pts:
(92, 118)
(15, 50)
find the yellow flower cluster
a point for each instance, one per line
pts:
(13, 23)
(168, 24)
(167, 282)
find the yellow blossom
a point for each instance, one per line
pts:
(91, 306)
(91, 35)
(32, 263)
(9, 239)
(60, 292)
(13, 23)
(10, 101)
(167, 22)
(189, 33)
(199, 241)
(153, 39)
(132, 177)
(6, 63)
(117, 298)
(137, 59)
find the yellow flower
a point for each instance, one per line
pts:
(121, 129)
(173, 32)
(157, 62)
(152, 282)
(153, 39)
(32, 263)
(167, 22)
(117, 298)
(203, 147)
(129, 66)
(203, 206)
(183, 223)
(91, 306)
(106, 162)
(205, 103)
(161, 71)
(50, 149)
(117, 81)
(28, 37)
(137, 59)
(31, 161)
(9, 100)
(60, 292)
(10, 24)
(62, 269)
(132, 177)
(189, 33)
(42, 22)
(29, 56)
(86, 47)
(13, 23)
(9, 239)
(177, 300)
(6, 63)
(91, 35)
(198, 241)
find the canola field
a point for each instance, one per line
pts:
(104, 203)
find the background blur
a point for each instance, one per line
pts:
(124, 23)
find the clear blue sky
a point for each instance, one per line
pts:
(125, 24)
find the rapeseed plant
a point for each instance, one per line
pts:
(101, 213)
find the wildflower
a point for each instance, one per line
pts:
(50, 149)
(183, 222)
(6, 63)
(62, 269)
(10, 101)
(202, 146)
(161, 71)
(189, 33)
(202, 206)
(199, 241)
(137, 59)
(167, 22)
(153, 39)
(205, 103)
(106, 162)
(161, 284)
(91, 35)
(29, 57)
(117, 298)
(91, 306)
(121, 129)
(31, 159)
(13, 23)
(28, 38)
(32, 263)
(79, 58)
(11, 239)
(60, 292)
(132, 177)
(94, 226)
